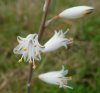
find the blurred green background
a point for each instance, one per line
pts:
(82, 59)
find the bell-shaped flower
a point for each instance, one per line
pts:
(57, 40)
(76, 12)
(29, 48)
(56, 78)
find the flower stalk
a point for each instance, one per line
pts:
(40, 33)
(42, 25)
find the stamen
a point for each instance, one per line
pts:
(34, 66)
(36, 54)
(20, 60)
(62, 81)
(34, 45)
(71, 39)
(24, 49)
(30, 61)
(66, 31)
(69, 78)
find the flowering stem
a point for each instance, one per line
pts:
(29, 78)
(42, 26)
(40, 33)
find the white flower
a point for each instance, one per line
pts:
(29, 48)
(58, 40)
(72, 13)
(56, 78)
(76, 12)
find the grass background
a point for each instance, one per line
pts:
(22, 17)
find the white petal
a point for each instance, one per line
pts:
(19, 39)
(75, 12)
(67, 86)
(64, 72)
(58, 40)
(49, 78)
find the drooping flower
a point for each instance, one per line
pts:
(76, 12)
(29, 48)
(56, 78)
(58, 40)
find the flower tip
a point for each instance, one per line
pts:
(20, 60)
(70, 78)
(34, 66)
(30, 61)
(68, 29)
(62, 68)
(89, 11)
(71, 39)
(24, 49)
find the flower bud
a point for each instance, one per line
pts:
(76, 12)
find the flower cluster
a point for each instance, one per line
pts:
(31, 49)
(58, 40)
